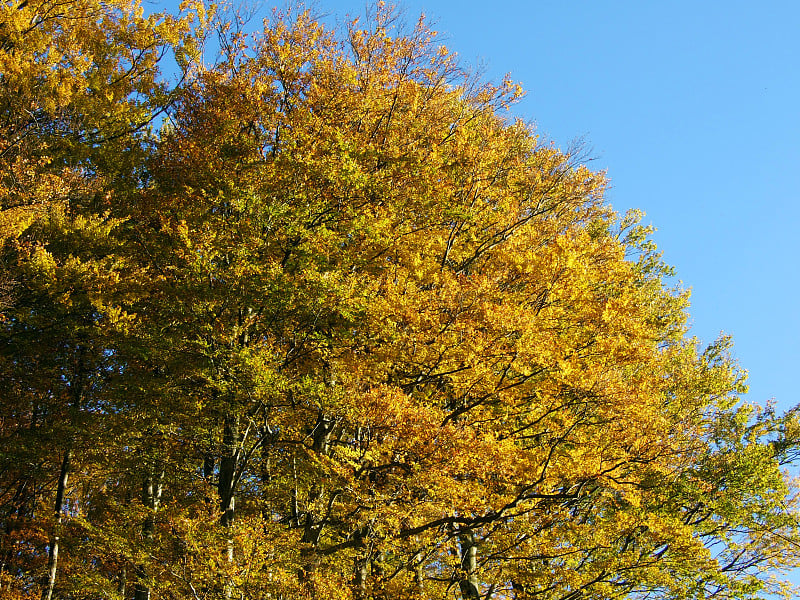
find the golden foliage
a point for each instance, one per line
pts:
(347, 331)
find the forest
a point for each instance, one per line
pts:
(306, 313)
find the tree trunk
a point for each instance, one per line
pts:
(52, 558)
(227, 469)
(152, 487)
(468, 550)
(321, 434)
(419, 574)
(122, 583)
(360, 576)
(227, 484)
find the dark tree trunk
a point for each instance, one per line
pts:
(52, 557)
(227, 484)
(227, 469)
(152, 488)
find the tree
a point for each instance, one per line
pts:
(80, 84)
(358, 334)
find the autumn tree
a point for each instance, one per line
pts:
(340, 327)
(79, 86)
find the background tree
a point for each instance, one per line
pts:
(80, 84)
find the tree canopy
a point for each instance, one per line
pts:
(315, 317)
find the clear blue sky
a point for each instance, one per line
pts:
(693, 108)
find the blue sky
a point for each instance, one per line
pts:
(693, 109)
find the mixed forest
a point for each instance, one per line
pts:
(306, 314)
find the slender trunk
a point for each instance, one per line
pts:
(227, 484)
(312, 525)
(209, 464)
(295, 508)
(379, 576)
(266, 439)
(152, 488)
(361, 574)
(122, 583)
(468, 550)
(77, 386)
(419, 574)
(52, 558)
(227, 469)
(266, 481)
